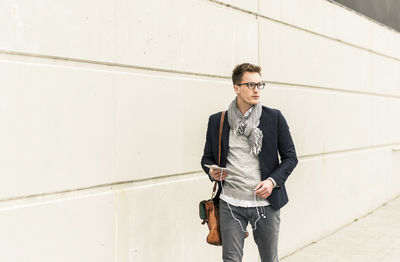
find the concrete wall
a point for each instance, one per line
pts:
(104, 106)
(384, 11)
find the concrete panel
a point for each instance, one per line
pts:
(350, 27)
(97, 126)
(66, 28)
(170, 211)
(116, 225)
(299, 57)
(182, 38)
(348, 185)
(92, 126)
(58, 129)
(385, 75)
(334, 21)
(338, 121)
(384, 123)
(146, 214)
(394, 180)
(137, 33)
(75, 229)
(163, 131)
(384, 40)
(331, 191)
(321, 17)
(313, 15)
(322, 121)
(385, 12)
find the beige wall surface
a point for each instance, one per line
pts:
(104, 113)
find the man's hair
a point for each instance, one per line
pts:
(239, 70)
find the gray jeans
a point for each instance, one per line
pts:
(266, 235)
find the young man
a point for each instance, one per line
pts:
(252, 187)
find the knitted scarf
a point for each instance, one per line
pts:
(247, 125)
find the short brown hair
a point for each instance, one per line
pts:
(240, 69)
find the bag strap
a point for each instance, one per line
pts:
(221, 124)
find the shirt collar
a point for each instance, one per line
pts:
(246, 115)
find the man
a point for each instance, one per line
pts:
(252, 182)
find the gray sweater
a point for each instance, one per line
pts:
(244, 174)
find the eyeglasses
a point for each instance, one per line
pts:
(252, 85)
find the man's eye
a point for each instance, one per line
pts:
(252, 84)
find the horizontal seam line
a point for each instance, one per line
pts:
(97, 186)
(87, 61)
(194, 74)
(348, 150)
(167, 176)
(335, 89)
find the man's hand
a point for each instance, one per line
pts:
(264, 188)
(216, 174)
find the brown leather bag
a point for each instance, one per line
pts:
(211, 206)
(214, 236)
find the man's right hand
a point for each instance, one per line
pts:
(216, 174)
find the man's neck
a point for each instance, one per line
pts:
(243, 107)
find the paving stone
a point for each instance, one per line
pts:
(375, 237)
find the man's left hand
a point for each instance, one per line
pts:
(264, 188)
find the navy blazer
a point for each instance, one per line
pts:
(276, 138)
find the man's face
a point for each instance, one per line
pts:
(244, 94)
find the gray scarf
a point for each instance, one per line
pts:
(247, 125)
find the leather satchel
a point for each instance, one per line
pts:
(208, 209)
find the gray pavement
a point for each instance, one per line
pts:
(375, 237)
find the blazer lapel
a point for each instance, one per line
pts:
(225, 139)
(262, 121)
(260, 126)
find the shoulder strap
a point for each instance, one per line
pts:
(221, 125)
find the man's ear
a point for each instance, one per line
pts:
(236, 89)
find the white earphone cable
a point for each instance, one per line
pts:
(254, 194)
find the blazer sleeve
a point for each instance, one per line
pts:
(286, 150)
(208, 157)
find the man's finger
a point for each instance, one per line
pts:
(219, 177)
(258, 186)
(216, 172)
(261, 191)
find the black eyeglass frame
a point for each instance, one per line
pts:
(252, 85)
